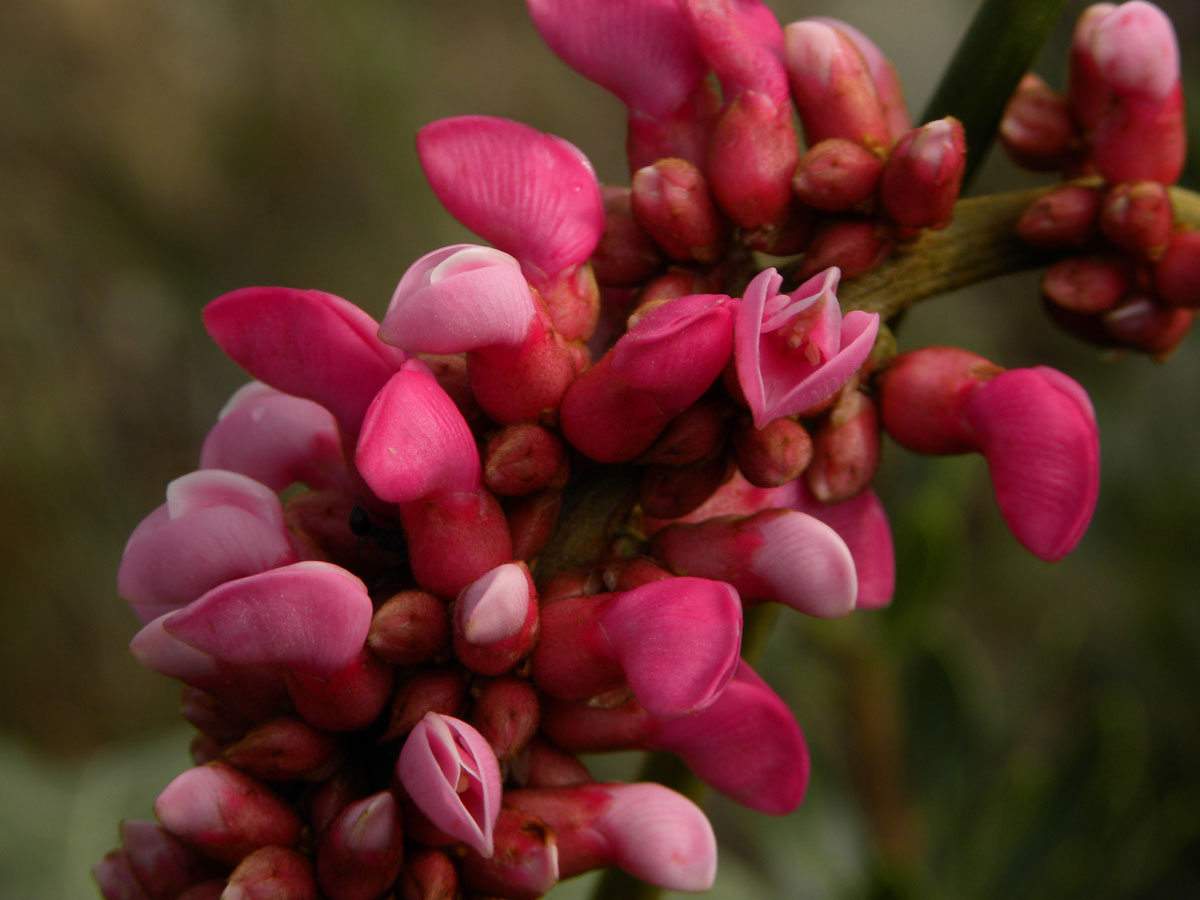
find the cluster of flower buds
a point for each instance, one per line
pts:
(1131, 276)
(391, 671)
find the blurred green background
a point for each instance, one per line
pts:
(1007, 729)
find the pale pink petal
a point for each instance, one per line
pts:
(459, 298)
(677, 641)
(1135, 51)
(1043, 453)
(451, 774)
(495, 606)
(308, 343)
(862, 523)
(660, 837)
(276, 439)
(215, 527)
(414, 440)
(643, 51)
(807, 564)
(312, 617)
(531, 194)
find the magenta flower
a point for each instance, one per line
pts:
(215, 526)
(648, 830)
(451, 774)
(308, 343)
(276, 439)
(794, 350)
(674, 641)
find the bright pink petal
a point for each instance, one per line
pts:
(643, 51)
(1042, 448)
(276, 439)
(862, 523)
(414, 440)
(459, 298)
(495, 606)
(308, 343)
(1135, 51)
(451, 774)
(743, 42)
(531, 194)
(747, 745)
(677, 641)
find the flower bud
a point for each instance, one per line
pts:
(410, 628)
(350, 699)
(225, 814)
(541, 764)
(923, 175)
(837, 175)
(1177, 274)
(1064, 216)
(525, 864)
(523, 458)
(1087, 284)
(774, 454)
(506, 714)
(531, 521)
(753, 155)
(272, 873)
(495, 620)
(426, 690)
(428, 874)
(360, 854)
(1036, 128)
(671, 202)
(626, 254)
(845, 449)
(851, 246)
(451, 774)
(1144, 325)
(694, 434)
(162, 864)
(1137, 216)
(832, 87)
(668, 492)
(115, 878)
(286, 749)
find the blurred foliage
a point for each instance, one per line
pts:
(1007, 729)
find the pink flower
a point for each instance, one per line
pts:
(451, 774)
(308, 343)
(648, 830)
(216, 526)
(793, 351)
(276, 439)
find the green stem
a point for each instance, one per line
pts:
(980, 244)
(999, 47)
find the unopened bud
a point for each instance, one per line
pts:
(753, 156)
(426, 690)
(523, 458)
(541, 764)
(626, 254)
(428, 874)
(1064, 216)
(1177, 274)
(774, 454)
(162, 863)
(1037, 129)
(115, 878)
(286, 749)
(855, 246)
(923, 175)
(692, 435)
(272, 873)
(1087, 284)
(360, 853)
(1144, 325)
(1137, 216)
(845, 449)
(837, 175)
(531, 521)
(525, 861)
(506, 714)
(349, 699)
(495, 620)
(668, 492)
(671, 201)
(410, 628)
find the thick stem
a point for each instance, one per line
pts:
(980, 244)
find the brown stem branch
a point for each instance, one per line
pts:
(980, 244)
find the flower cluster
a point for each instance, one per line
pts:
(1132, 276)
(536, 498)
